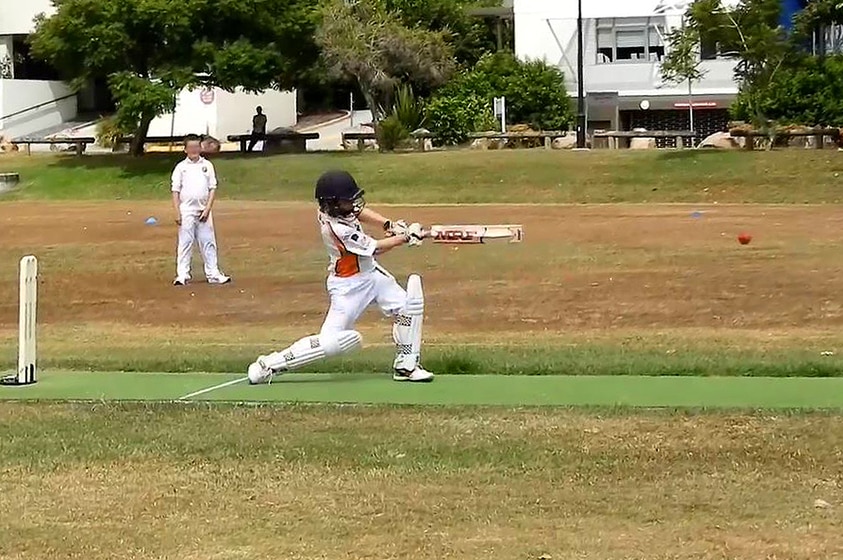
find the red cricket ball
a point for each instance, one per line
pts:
(744, 238)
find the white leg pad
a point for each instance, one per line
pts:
(311, 349)
(407, 328)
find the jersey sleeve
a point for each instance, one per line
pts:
(354, 241)
(175, 179)
(212, 176)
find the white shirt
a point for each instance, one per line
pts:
(351, 251)
(194, 181)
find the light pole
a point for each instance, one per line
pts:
(580, 85)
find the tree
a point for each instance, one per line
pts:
(149, 50)
(682, 63)
(469, 36)
(751, 31)
(363, 41)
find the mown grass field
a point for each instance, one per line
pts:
(630, 267)
(536, 176)
(166, 481)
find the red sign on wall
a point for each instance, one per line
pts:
(697, 105)
(207, 96)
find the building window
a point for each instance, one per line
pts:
(712, 49)
(28, 67)
(630, 40)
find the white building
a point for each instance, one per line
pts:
(623, 46)
(33, 101)
(220, 113)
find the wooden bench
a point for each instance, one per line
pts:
(80, 142)
(818, 134)
(153, 140)
(681, 136)
(297, 139)
(546, 135)
(361, 138)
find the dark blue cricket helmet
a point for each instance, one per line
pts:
(333, 187)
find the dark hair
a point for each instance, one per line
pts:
(191, 138)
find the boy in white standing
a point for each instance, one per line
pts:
(194, 188)
(356, 281)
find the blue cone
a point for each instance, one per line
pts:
(151, 221)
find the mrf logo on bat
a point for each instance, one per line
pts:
(458, 235)
(476, 233)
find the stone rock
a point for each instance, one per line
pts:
(6, 144)
(642, 144)
(210, 145)
(516, 128)
(64, 147)
(720, 140)
(566, 142)
(488, 143)
(522, 142)
(285, 146)
(368, 145)
(479, 144)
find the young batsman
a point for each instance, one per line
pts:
(194, 188)
(356, 281)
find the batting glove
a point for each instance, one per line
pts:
(415, 234)
(395, 228)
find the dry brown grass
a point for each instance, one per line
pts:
(311, 482)
(639, 277)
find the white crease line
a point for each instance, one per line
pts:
(213, 388)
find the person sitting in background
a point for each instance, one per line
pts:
(258, 128)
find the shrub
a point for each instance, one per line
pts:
(408, 109)
(453, 117)
(108, 132)
(535, 95)
(406, 115)
(391, 133)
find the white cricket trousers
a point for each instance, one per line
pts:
(193, 231)
(351, 296)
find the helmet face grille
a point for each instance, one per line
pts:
(339, 208)
(359, 204)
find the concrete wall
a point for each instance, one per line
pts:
(192, 116)
(16, 15)
(16, 95)
(228, 113)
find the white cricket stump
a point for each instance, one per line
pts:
(26, 374)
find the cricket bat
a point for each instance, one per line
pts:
(476, 234)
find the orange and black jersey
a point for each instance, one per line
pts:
(350, 249)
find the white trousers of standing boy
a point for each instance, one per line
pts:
(193, 231)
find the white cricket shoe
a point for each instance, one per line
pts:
(221, 279)
(259, 373)
(180, 282)
(418, 375)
